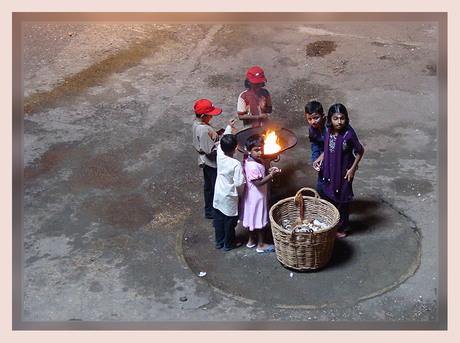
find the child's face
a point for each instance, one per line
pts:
(256, 152)
(338, 121)
(205, 118)
(256, 86)
(315, 119)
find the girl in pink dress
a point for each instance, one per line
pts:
(255, 204)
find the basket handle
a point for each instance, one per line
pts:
(307, 189)
(298, 199)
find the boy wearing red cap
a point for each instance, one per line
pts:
(254, 103)
(204, 141)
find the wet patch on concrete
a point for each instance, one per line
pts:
(299, 93)
(321, 48)
(221, 80)
(431, 69)
(411, 187)
(56, 154)
(104, 171)
(126, 213)
(95, 74)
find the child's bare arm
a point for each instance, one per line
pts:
(272, 171)
(351, 172)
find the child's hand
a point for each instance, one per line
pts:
(350, 174)
(232, 122)
(319, 161)
(274, 170)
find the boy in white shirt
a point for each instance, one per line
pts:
(229, 180)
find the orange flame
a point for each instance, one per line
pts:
(271, 145)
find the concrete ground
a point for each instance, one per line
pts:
(113, 222)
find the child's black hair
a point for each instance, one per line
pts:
(228, 143)
(337, 108)
(247, 84)
(254, 141)
(314, 107)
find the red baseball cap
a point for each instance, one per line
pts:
(256, 75)
(204, 106)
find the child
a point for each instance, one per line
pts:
(204, 141)
(255, 204)
(229, 178)
(340, 163)
(254, 103)
(316, 133)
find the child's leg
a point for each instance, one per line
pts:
(230, 241)
(252, 238)
(344, 211)
(261, 245)
(210, 175)
(218, 223)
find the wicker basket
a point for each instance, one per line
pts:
(304, 250)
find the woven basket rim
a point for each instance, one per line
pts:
(305, 197)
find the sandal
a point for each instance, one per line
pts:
(271, 248)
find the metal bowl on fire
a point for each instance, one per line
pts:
(286, 139)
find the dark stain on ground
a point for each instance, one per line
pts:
(104, 171)
(431, 69)
(128, 213)
(222, 80)
(95, 74)
(291, 112)
(49, 160)
(320, 48)
(406, 186)
(231, 39)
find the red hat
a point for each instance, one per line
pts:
(256, 75)
(204, 106)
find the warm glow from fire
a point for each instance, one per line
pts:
(271, 143)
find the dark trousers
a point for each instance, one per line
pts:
(224, 227)
(210, 175)
(344, 211)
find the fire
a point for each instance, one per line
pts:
(271, 145)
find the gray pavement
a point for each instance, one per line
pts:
(113, 224)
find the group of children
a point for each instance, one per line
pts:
(336, 152)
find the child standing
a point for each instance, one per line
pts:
(316, 133)
(254, 103)
(204, 141)
(340, 163)
(229, 179)
(255, 204)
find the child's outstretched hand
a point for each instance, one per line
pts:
(274, 170)
(232, 122)
(318, 162)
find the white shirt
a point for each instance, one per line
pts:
(229, 180)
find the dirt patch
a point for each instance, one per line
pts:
(321, 48)
(49, 160)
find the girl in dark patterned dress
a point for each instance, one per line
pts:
(342, 153)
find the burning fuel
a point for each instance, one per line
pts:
(271, 145)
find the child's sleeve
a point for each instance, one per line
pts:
(207, 145)
(254, 174)
(238, 177)
(316, 147)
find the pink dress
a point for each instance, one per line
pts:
(255, 207)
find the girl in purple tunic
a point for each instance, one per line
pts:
(342, 153)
